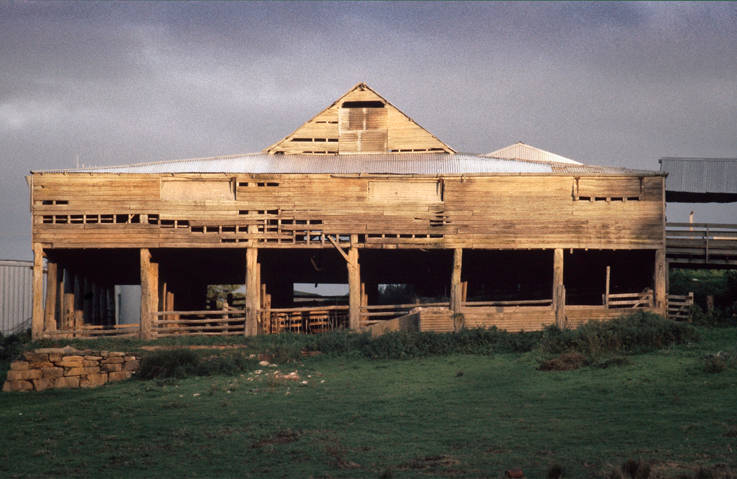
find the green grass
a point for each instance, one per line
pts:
(436, 416)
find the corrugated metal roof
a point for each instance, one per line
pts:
(523, 151)
(385, 163)
(700, 175)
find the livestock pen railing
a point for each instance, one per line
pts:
(205, 322)
(95, 330)
(372, 314)
(508, 303)
(703, 243)
(629, 300)
(680, 306)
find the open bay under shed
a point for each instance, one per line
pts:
(360, 194)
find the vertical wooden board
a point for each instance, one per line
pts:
(659, 281)
(52, 284)
(253, 291)
(354, 289)
(456, 293)
(37, 319)
(559, 297)
(146, 300)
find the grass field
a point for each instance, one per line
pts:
(439, 416)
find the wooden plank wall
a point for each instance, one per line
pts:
(509, 212)
(579, 314)
(514, 318)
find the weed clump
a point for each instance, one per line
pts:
(402, 345)
(181, 363)
(718, 362)
(631, 469)
(175, 363)
(636, 333)
(564, 362)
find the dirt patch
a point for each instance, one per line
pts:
(281, 437)
(431, 463)
(564, 362)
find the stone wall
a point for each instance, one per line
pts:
(55, 368)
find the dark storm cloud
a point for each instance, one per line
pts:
(605, 83)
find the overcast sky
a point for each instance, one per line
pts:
(618, 84)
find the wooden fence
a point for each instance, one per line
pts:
(679, 306)
(629, 300)
(93, 331)
(206, 322)
(510, 303)
(383, 312)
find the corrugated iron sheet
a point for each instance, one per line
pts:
(385, 163)
(16, 286)
(523, 151)
(700, 175)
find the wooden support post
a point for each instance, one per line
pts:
(149, 293)
(659, 280)
(37, 318)
(559, 290)
(263, 316)
(78, 313)
(456, 288)
(110, 305)
(60, 295)
(52, 283)
(607, 285)
(70, 302)
(354, 286)
(253, 291)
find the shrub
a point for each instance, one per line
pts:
(176, 363)
(564, 362)
(224, 365)
(180, 363)
(718, 362)
(635, 333)
(11, 346)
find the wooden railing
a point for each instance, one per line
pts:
(92, 330)
(629, 300)
(509, 303)
(383, 312)
(206, 322)
(704, 243)
(318, 319)
(679, 306)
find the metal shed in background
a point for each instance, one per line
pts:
(16, 281)
(700, 180)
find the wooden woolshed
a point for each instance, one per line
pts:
(419, 235)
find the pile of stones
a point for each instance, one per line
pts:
(54, 368)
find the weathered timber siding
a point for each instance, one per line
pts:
(505, 211)
(514, 319)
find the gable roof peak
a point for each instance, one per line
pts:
(360, 121)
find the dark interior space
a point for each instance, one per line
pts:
(584, 273)
(508, 275)
(406, 276)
